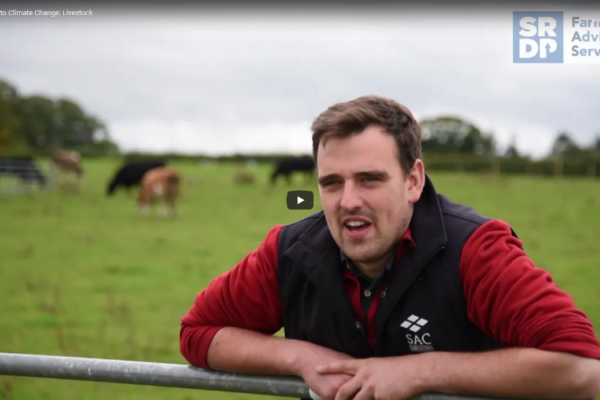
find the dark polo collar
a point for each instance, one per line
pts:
(347, 262)
(405, 241)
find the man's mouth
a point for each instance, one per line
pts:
(356, 228)
(356, 225)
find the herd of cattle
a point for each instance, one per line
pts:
(157, 182)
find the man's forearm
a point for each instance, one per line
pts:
(526, 373)
(243, 351)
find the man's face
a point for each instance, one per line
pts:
(366, 198)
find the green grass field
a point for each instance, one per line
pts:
(86, 276)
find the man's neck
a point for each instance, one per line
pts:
(374, 268)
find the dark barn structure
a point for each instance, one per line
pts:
(24, 169)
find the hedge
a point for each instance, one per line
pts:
(588, 165)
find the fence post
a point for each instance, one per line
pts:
(591, 170)
(559, 166)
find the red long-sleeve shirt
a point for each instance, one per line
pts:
(508, 298)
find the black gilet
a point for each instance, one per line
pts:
(423, 307)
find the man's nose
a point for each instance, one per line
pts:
(350, 197)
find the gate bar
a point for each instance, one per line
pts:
(147, 373)
(165, 375)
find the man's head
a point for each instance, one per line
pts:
(368, 155)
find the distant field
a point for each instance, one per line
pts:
(85, 276)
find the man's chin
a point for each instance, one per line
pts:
(358, 253)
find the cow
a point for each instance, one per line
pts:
(289, 165)
(131, 174)
(24, 169)
(160, 184)
(69, 161)
(244, 177)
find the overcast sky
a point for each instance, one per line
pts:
(202, 81)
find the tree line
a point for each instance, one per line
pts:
(451, 143)
(36, 125)
(453, 135)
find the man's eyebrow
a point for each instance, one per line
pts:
(370, 174)
(325, 178)
(376, 174)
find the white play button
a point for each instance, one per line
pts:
(300, 200)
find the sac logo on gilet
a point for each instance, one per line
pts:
(419, 340)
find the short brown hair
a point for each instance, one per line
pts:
(351, 117)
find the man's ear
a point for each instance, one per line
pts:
(415, 181)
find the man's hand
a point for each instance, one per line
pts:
(505, 373)
(324, 385)
(379, 378)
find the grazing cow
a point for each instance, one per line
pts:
(69, 161)
(131, 174)
(159, 184)
(289, 165)
(23, 168)
(244, 177)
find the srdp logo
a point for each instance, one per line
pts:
(538, 37)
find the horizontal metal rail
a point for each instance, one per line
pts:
(147, 373)
(162, 374)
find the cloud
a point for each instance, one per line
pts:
(226, 82)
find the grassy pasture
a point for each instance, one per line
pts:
(86, 276)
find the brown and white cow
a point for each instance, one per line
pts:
(159, 185)
(67, 161)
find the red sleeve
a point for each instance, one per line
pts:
(517, 303)
(247, 297)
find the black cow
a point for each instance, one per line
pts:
(289, 165)
(131, 174)
(23, 168)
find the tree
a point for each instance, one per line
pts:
(451, 134)
(38, 122)
(10, 142)
(596, 143)
(74, 128)
(512, 151)
(8, 91)
(43, 124)
(565, 146)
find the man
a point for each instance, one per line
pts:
(393, 290)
